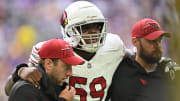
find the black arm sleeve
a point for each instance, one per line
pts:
(24, 91)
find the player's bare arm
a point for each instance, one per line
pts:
(31, 74)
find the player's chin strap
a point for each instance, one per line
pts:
(170, 67)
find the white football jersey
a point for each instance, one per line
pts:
(92, 79)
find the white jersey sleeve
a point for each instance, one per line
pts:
(34, 56)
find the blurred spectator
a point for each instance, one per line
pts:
(19, 49)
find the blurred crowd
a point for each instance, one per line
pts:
(23, 23)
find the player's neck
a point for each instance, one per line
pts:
(85, 55)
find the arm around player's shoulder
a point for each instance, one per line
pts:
(24, 91)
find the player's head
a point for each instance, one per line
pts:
(146, 37)
(83, 26)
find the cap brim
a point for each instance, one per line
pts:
(73, 60)
(156, 34)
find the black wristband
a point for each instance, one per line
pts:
(15, 76)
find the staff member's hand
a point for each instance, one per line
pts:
(67, 93)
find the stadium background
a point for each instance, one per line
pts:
(26, 22)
